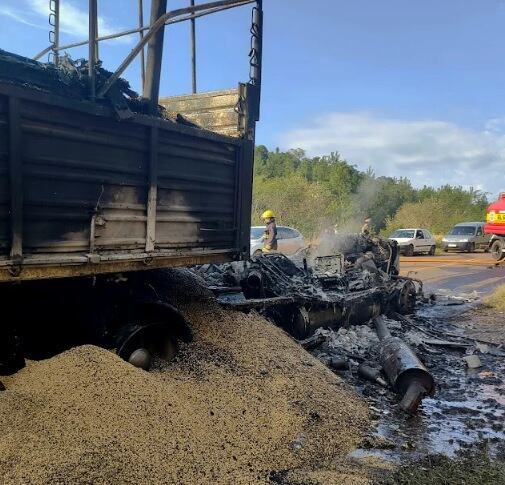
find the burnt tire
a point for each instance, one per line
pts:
(409, 251)
(406, 298)
(431, 252)
(497, 250)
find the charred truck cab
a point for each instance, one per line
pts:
(100, 181)
(350, 287)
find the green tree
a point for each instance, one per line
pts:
(313, 193)
(439, 212)
(296, 202)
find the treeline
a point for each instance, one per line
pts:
(313, 194)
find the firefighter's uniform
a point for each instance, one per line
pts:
(270, 235)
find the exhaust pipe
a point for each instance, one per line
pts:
(406, 373)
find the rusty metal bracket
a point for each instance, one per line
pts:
(16, 267)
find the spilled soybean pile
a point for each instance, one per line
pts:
(242, 403)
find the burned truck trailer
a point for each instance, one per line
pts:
(85, 194)
(98, 180)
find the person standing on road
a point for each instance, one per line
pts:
(270, 235)
(366, 228)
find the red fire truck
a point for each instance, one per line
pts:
(495, 225)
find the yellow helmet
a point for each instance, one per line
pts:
(268, 214)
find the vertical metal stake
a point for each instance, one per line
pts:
(193, 51)
(154, 57)
(141, 33)
(93, 22)
(16, 179)
(152, 194)
(54, 35)
(97, 33)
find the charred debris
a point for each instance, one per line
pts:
(350, 309)
(310, 293)
(70, 78)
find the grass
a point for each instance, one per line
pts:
(496, 299)
(471, 468)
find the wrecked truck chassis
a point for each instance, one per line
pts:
(301, 302)
(301, 317)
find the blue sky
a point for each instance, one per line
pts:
(413, 88)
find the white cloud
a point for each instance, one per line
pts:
(427, 151)
(17, 16)
(495, 125)
(73, 20)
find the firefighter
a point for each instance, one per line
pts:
(366, 228)
(270, 235)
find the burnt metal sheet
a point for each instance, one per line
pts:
(93, 186)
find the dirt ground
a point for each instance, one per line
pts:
(484, 323)
(242, 404)
(457, 272)
(463, 273)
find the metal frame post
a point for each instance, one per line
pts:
(141, 34)
(97, 48)
(256, 44)
(93, 34)
(193, 51)
(152, 191)
(154, 56)
(54, 35)
(255, 61)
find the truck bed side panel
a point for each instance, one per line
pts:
(87, 179)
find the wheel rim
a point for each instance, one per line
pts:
(141, 358)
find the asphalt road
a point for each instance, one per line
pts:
(457, 272)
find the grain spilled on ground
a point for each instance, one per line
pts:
(242, 404)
